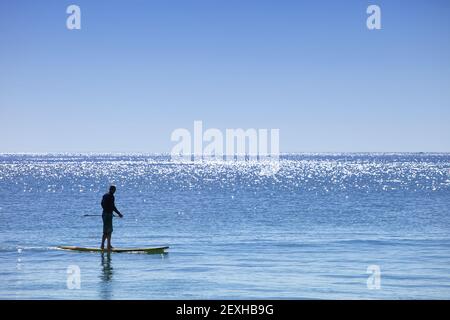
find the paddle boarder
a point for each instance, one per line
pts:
(109, 207)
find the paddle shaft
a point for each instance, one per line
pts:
(94, 215)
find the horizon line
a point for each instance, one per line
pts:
(192, 154)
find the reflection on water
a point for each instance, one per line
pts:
(107, 269)
(106, 276)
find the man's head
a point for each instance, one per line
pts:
(112, 189)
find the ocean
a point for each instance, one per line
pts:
(316, 229)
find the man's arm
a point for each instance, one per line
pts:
(117, 211)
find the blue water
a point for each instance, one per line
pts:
(308, 232)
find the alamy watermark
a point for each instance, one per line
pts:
(374, 279)
(262, 145)
(373, 22)
(73, 277)
(73, 21)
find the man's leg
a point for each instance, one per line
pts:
(109, 240)
(103, 241)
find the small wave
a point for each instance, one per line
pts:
(22, 249)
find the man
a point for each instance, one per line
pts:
(108, 208)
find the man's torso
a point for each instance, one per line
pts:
(108, 203)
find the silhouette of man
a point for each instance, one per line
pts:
(109, 207)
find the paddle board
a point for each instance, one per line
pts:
(141, 250)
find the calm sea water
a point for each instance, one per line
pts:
(309, 231)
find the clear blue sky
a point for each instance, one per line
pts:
(137, 70)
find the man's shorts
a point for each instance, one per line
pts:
(107, 222)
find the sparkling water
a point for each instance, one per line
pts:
(316, 229)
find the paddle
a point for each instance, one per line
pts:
(95, 215)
